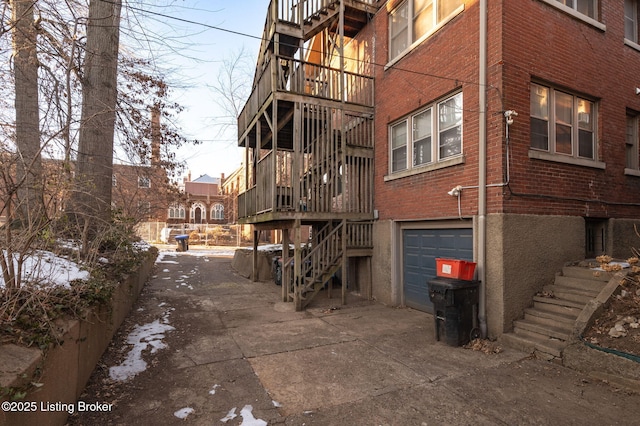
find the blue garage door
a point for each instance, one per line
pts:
(421, 247)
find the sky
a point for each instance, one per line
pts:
(199, 35)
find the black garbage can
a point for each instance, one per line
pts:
(455, 309)
(277, 270)
(183, 242)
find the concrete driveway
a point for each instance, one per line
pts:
(232, 353)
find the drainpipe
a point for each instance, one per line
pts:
(482, 168)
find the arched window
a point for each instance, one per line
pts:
(217, 212)
(176, 212)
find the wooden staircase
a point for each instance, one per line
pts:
(318, 265)
(547, 327)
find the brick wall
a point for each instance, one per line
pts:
(527, 40)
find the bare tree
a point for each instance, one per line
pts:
(27, 132)
(92, 196)
(233, 86)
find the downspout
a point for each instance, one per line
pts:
(482, 169)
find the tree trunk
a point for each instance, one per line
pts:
(30, 202)
(92, 199)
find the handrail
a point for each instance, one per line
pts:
(328, 250)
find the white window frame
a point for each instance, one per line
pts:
(573, 11)
(632, 144)
(578, 5)
(577, 122)
(176, 212)
(144, 182)
(417, 137)
(631, 20)
(402, 23)
(217, 212)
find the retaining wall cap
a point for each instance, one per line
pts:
(14, 361)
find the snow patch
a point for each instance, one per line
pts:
(47, 269)
(141, 337)
(248, 419)
(230, 415)
(183, 412)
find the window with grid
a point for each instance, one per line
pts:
(436, 134)
(217, 212)
(632, 140)
(176, 212)
(144, 182)
(631, 20)
(414, 19)
(562, 123)
(586, 7)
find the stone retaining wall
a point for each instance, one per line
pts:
(67, 367)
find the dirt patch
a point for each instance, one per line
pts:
(618, 326)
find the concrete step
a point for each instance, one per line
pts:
(532, 342)
(586, 273)
(559, 302)
(541, 304)
(543, 316)
(580, 283)
(556, 332)
(571, 294)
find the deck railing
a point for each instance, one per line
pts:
(297, 11)
(309, 79)
(359, 234)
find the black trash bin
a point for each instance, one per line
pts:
(455, 309)
(183, 242)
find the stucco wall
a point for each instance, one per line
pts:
(381, 288)
(622, 237)
(524, 252)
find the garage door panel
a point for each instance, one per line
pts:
(421, 247)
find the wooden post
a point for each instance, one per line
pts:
(369, 277)
(286, 272)
(345, 274)
(254, 263)
(298, 279)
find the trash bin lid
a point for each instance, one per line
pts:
(451, 283)
(181, 237)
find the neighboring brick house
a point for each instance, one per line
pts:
(141, 192)
(505, 133)
(231, 186)
(203, 203)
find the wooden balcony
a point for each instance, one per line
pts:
(308, 127)
(317, 191)
(289, 79)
